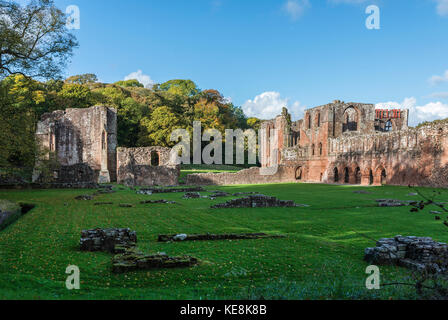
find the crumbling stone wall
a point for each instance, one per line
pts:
(347, 143)
(80, 137)
(146, 167)
(417, 253)
(248, 176)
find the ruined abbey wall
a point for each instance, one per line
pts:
(80, 138)
(146, 167)
(355, 144)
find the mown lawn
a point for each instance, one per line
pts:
(321, 257)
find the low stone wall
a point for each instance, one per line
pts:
(136, 167)
(109, 240)
(417, 253)
(284, 174)
(9, 212)
(256, 201)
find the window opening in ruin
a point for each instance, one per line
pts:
(320, 149)
(51, 142)
(388, 126)
(346, 175)
(370, 177)
(318, 120)
(299, 173)
(358, 175)
(383, 176)
(312, 150)
(336, 175)
(309, 121)
(155, 159)
(103, 141)
(350, 120)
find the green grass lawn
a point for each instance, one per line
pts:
(321, 257)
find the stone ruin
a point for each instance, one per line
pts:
(213, 237)
(122, 243)
(150, 191)
(416, 253)
(256, 201)
(132, 260)
(108, 240)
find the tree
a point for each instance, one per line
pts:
(129, 115)
(180, 87)
(82, 79)
(157, 129)
(34, 40)
(130, 84)
(76, 96)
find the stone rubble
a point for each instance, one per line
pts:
(157, 202)
(256, 201)
(151, 191)
(132, 260)
(84, 197)
(192, 195)
(209, 237)
(108, 240)
(417, 253)
(394, 203)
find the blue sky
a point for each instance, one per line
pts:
(269, 53)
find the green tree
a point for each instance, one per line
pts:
(76, 96)
(129, 116)
(34, 39)
(86, 78)
(129, 84)
(157, 129)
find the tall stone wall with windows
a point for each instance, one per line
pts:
(354, 143)
(82, 141)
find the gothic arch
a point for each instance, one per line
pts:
(350, 120)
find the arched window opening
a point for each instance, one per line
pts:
(336, 175)
(155, 159)
(350, 120)
(320, 149)
(299, 173)
(318, 120)
(383, 176)
(103, 141)
(312, 150)
(309, 121)
(358, 175)
(346, 175)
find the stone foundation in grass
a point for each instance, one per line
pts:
(209, 237)
(109, 240)
(132, 260)
(417, 253)
(256, 201)
(150, 191)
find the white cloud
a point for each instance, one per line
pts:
(296, 8)
(428, 112)
(269, 104)
(442, 7)
(435, 80)
(142, 78)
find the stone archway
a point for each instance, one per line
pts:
(336, 175)
(299, 173)
(380, 176)
(155, 158)
(346, 175)
(358, 175)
